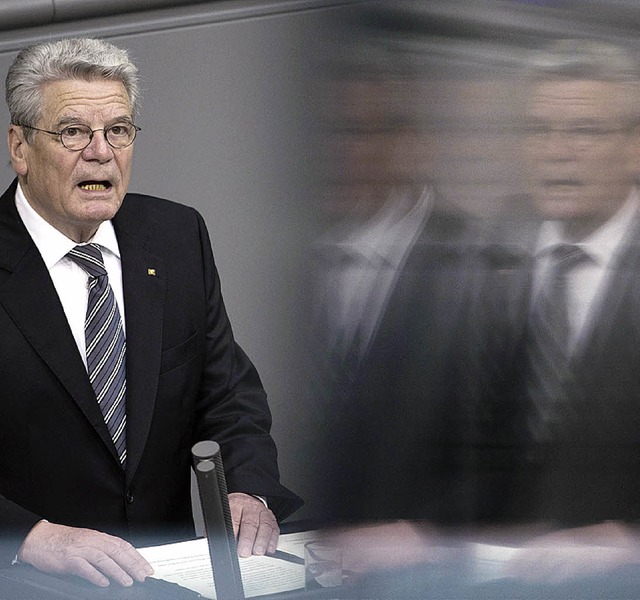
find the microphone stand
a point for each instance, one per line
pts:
(212, 487)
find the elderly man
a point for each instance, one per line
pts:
(117, 354)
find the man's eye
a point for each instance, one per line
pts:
(119, 130)
(73, 131)
(588, 131)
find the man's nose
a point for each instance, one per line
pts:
(98, 148)
(561, 145)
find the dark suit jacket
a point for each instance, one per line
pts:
(590, 472)
(389, 453)
(187, 380)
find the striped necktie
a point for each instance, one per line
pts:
(548, 346)
(105, 345)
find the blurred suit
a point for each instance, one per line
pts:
(588, 471)
(358, 266)
(387, 439)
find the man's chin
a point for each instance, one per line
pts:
(94, 212)
(560, 209)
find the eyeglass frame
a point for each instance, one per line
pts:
(580, 136)
(91, 134)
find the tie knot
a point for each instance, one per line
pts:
(89, 257)
(567, 256)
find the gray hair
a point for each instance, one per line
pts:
(40, 64)
(590, 59)
(585, 59)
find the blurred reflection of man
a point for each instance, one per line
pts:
(376, 211)
(388, 267)
(578, 367)
(565, 410)
(557, 431)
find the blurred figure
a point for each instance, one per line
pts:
(374, 209)
(545, 450)
(390, 266)
(575, 302)
(558, 448)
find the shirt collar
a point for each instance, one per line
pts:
(384, 237)
(600, 245)
(51, 243)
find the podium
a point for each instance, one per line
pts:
(22, 582)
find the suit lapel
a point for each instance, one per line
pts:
(620, 284)
(144, 287)
(30, 299)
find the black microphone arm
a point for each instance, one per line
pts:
(212, 487)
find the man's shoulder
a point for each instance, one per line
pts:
(143, 210)
(147, 204)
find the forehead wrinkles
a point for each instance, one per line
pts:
(87, 100)
(581, 98)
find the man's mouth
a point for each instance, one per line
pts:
(94, 186)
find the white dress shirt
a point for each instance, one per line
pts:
(69, 278)
(364, 262)
(587, 281)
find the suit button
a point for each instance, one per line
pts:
(130, 497)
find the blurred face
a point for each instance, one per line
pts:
(366, 153)
(75, 191)
(581, 150)
(360, 172)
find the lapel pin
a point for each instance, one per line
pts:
(151, 272)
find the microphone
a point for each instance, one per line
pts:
(212, 488)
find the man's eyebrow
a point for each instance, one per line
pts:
(69, 121)
(574, 122)
(72, 120)
(588, 120)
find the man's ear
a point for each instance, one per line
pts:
(17, 149)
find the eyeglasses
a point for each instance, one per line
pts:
(78, 137)
(580, 136)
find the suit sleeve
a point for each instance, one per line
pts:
(16, 524)
(233, 407)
